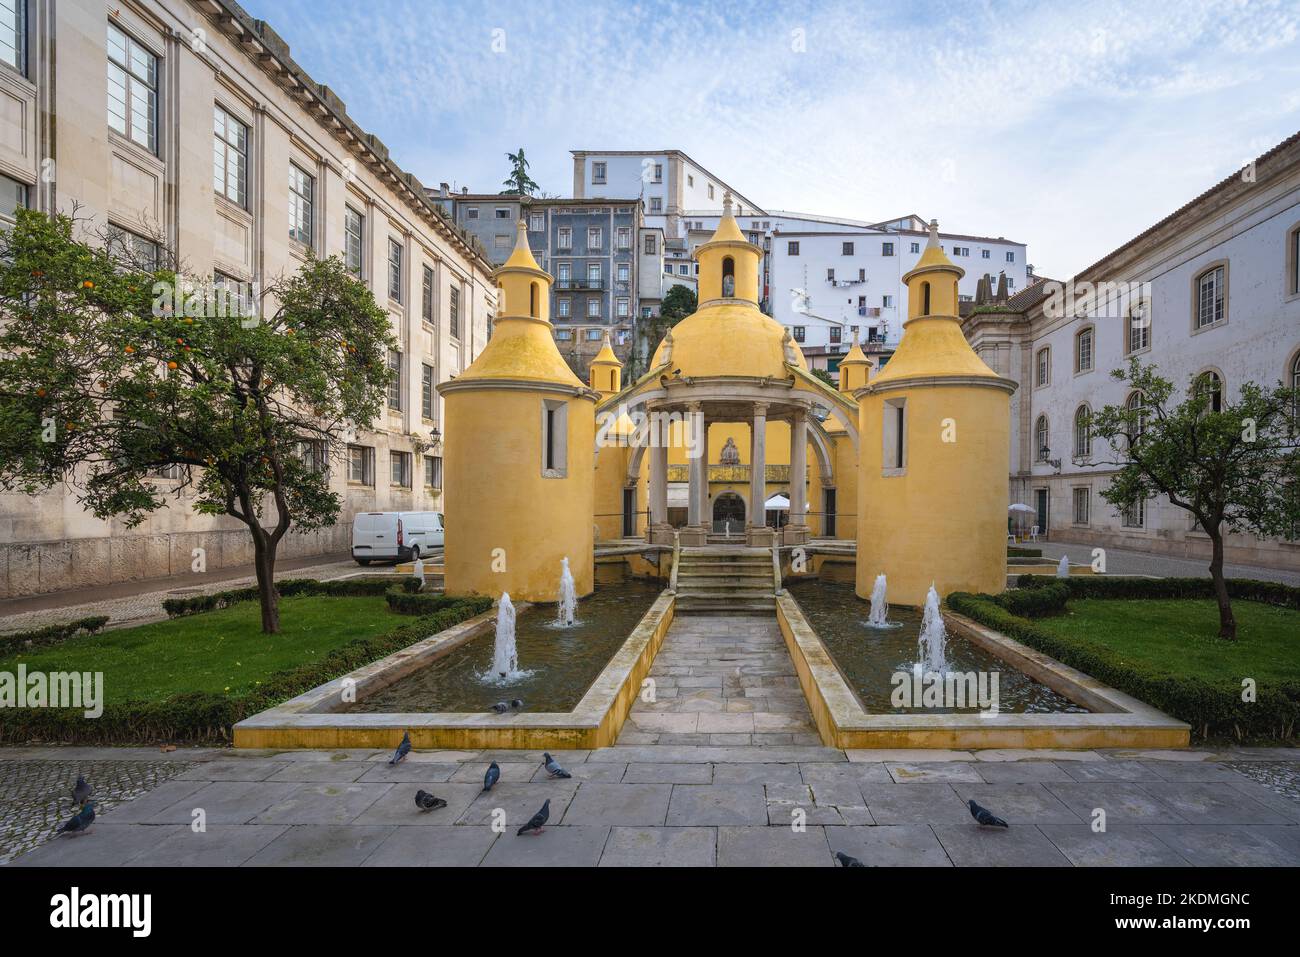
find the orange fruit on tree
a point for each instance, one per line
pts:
(130, 349)
(88, 284)
(172, 365)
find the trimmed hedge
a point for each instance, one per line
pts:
(1036, 602)
(50, 635)
(1013, 552)
(1097, 586)
(287, 588)
(1213, 709)
(417, 603)
(204, 717)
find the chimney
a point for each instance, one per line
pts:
(443, 190)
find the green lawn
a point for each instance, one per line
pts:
(1177, 636)
(220, 651)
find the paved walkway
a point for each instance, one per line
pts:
(1120, 561)
(721, 769)
(139, 602)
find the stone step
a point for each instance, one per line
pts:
(724, 551)
(720, 571)
(689, 604)
(763, 563)
(724, 591)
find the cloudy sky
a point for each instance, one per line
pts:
(1068, 126)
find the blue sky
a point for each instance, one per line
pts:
(1068, 126)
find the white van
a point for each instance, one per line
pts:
(395, 536)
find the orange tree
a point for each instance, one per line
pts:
(115, 370)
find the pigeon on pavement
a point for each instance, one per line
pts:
(403, 749)
(427, 802)
(81, 791)
(553, 768)
(492, 777)
(79, 821)
(534, 825)
(985, 817)
(847, 861)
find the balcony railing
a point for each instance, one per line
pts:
(594, 284)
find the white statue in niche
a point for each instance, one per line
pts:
(730, 455)
(728, 287)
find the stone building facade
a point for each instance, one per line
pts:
(1211, 293)
(189, 124)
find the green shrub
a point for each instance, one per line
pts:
(1024, 552)
(1213, 709)
(1100, 586)
(406, 603)
(287, 588)
(50, 635)
(203, 717)
(1035, 602)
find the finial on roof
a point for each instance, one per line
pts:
(934, 233)
(521, 235)
(726, 203)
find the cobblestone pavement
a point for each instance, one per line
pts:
(147, 605)
(35, 795)
(721, 770)
(1121, 561)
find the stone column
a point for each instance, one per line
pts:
(758, 533)
(694, 533)
(659, 532)
(797, 530)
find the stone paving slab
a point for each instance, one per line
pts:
(461, 846)
(1022, 803)
(969, 845)
(325, 845)
(554, 847)
(1226, 845)
(104, 845)
(716, 804)
(323, 804)
(1120, 845)
(397, 804)
(661, 847)
(773, 847)
(220, 845)
(631, 804)
(898, 845)
(1123, 803)
(1213, 804)
(519, 802)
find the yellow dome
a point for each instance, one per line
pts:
(729, 339)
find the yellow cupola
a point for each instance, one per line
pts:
(854, 368)
(729, 263)
(605, 375)
(935, 446)
(518, 454)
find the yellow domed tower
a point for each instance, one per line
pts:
(934, 452)
(854, 368)
(606, 373)
(518, 452)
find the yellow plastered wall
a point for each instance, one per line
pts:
(611, 472)
(494, 439)
(846, 486)
(944, 519)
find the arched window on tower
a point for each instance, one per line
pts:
(925, 298)
(728, 277)
(533, 291)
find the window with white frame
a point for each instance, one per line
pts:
(562, 307)
(399, 464)
(710, 191)
(1135, 516)
(887, 301)
(453, 311)
(846, 249)
(595, 335)
(139, 252)
(427, 392)
(598, 172)
(13, 34)
(502, 212)
(471, 212)
(624, 273)
(595, 237)
(651, 246)
(886, 249)
(395, 380)
(593, 308)
(13, 197)
(361, 464)
(564, 237)
(1210, 297)
(1043, 366)
(426, 294)
(354, 228)
(622, 307)
(1139, 327)
(1042, 450)
(563, 335)
(659, 173)
(1083, 432)
(656, 204)
(302, 192)
(792, 247)
(593, 275)
(433, 471)
(1135, 403)
(984, 254)
(1083, 350)
(1209, 387)
(915, 247)
(536, 222)
(624, 237)
(229, 157)
(1081, 504)
(394, 270)
(799, 333)
(1011, 257)
(132, 90)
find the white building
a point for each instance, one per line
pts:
(1212, 290)
(113, 107)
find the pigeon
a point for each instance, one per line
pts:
(534, 825)
(403, 749)
(500, 707)
(82, 791)
(516, 703)
(986, 817)
(553, 769)
(492, 777)
(427, 802)
(847, 861)
(79, 821)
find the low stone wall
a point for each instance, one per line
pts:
(37, 568)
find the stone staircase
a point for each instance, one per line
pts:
(725, 580)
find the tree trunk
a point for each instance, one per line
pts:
(1227, 623)
(264, 560)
